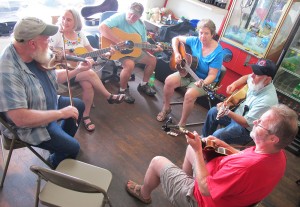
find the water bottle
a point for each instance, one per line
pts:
(151, 80)
(296, 91)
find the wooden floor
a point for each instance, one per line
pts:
(126, 139)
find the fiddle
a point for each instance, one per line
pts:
(59, 60)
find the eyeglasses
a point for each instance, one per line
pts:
(257, 123)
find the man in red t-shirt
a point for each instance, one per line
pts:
(241, 179)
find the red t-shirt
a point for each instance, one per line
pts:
(241, 179)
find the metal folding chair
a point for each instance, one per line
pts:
(73, 183)
(11, 145)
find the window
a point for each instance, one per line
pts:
(12, 10)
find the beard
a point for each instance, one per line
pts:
(42, 56)
(258, 86)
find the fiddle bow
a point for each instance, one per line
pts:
(67, 73)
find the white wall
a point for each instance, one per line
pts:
(194, 9)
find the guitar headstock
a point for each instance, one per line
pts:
(212, 92)
(187, 132)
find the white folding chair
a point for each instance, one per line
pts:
(73, 183)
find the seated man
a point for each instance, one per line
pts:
(261, 95)
(241, 179)
(209, 54)
(130, 23)
(28, 96)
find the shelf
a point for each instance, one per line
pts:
(295, 49)
(286, 70)
(159, 25)
(209, 7)
(286, 94)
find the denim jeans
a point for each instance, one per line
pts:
(62, 144)
(231, 133)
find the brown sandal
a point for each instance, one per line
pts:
(135, 190)
(119, 99)
(161, 116)
(86, 125)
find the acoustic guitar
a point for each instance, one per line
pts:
(209, 148)
(187, 65)
(82, 52)
(132, 42)
(187, 61)
(233, 101)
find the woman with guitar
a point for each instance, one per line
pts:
(71, 38)
(238, 123)
(207, 53)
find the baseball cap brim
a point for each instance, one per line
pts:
(257, 70)
(50, 30)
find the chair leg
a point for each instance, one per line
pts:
(39, 156)
(37, 193)
(7, 159)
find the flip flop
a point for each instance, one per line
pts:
(161, 116)
(119, 99)
(86, 126)
(135, 190)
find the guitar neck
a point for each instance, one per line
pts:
(210, 91)
(150, 46)
(95, 53)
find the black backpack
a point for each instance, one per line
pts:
(166, 33)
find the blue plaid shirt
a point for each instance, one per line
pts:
(20, 88)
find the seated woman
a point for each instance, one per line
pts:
(209, 54)
(70, 26)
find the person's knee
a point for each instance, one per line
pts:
(128, 65)
(75, 149)
(158, 163)
(212, 112)
(171, 82)
(190, 97)
(79, 104)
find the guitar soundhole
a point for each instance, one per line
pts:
(126, 51)
(182, 64)
(129, 44)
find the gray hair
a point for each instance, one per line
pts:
(77, 19)
(285, 125)
(208, 23)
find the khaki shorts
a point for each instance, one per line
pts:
(178, 186)
(189, 82)
(135, 59)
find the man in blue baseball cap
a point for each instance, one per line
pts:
(237, 124)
